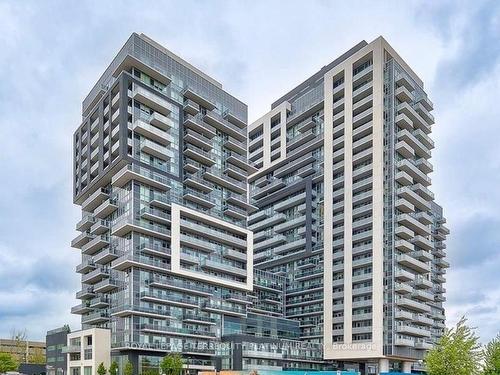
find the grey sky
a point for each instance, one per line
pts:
(52, 52)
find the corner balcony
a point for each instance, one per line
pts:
(205, 200)
(221, 179)
(196, 123)
(86, 266)
(191, 107)
(413, 224)
(95, 318)
(414, 264)
(416, 118)
(227, 309)
(95, 245)
(131, 259)
(96, 275)
(234, 255)
(414, 331)
(272, 186)
(200, 155)
(181, 286)
(400, 341)
(240, 161)
(412, 305)
(160, 151)
(272, 220)
(213, 234)
(219, 266)
(169, 299)
(177, 331)
(273, 241)
(235, 212)
(197, 139)
(152, 100)
(95, 199)
(127, 225)
(403, 94)
(234, 120)
(106, 285)
(86, 292)
(155, 215)
(417, 175)
(189, 93)
(85, 223)
(80, 309)
(413, 198)
(106, 208)
(100, 227)
(107, 255)
(81, 240)
(152, 132)
(218, 122)
(143, 175)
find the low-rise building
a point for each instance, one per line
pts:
(86, 349)
(55, 341)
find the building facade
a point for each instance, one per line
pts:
(86, 350)
(24, 351)
(56, 358)
(179, 255)
(345, 210)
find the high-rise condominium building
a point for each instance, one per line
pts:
(345, 210)
(335, 261)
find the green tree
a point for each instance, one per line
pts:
(491, 355)
(128, 369)
(458, 352)
(101, 370)
(113, 368)
(171, 364)
(7, 363)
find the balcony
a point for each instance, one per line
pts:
(213, 234)
(413, 305)
(404, 246)
(234, 255)
(240, 161)
(197, 182)
(218, 122)
(152, 132)
(127, 225)
(106, 208)
(86, 266)
(290, 223)
(200, 155)
(205, 200)
(296, 244)
(152, 100)
(221, 179)
(155, 149)
(96, 275)
(100, 227)
(413, 224)
(155, 215)
(143, 175)
(81, 240)
(191, 107)
(96, 317)
(273, 241)
(235, 145)
(272, 220)
(219, 266)
(196, 123)
(169, 299)
(199, 99)
(414, 264)
(272, 186)
(181, 286)
(227, 309)
(414, 331)
(177, 331)
(198, 140)
(86, 292)
(413, 198)
(133, 259)
(85, 223)
(80, 309)
(95, 245)
(234, 211)
(107, 255)
(416, 118)
(403, 94)
(160, 121)
(418, 176)
(403, 275)
(400, 341)
(422, 295)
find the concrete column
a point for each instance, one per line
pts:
(407, 367)
(383, 365)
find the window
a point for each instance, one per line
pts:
(87, 370)
(74, 370)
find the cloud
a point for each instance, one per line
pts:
(53, 53)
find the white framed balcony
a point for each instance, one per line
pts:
(151, 99)
(143, 175)
(152, 132)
